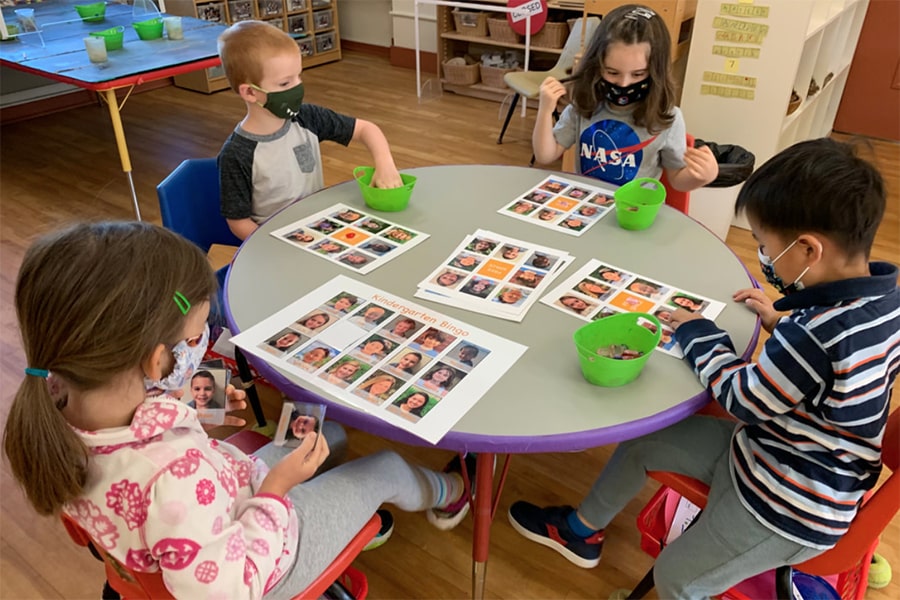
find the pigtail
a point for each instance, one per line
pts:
(47, 458)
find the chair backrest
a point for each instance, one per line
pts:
(189, 203)
(574, 44)
(135, 585)
(676, 198)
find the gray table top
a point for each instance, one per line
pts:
(542, 403)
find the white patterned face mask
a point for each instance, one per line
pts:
(188, 355)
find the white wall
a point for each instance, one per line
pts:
(404, 29)
(366, 21)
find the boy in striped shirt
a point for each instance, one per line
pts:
(787, 475)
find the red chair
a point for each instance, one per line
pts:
(850, 558)
(134, 585)
(675, 198)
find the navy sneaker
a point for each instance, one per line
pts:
(384, 534)
(450, 516)
(548, 526)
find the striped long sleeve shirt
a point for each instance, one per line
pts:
(813, 408)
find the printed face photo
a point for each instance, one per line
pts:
(347, 216)
(554, 186)
(398, 234)
(667, 339)
(298, 419)
(467, 354)
(313, 356)
(316, 321)
(466, 261)
(542, 261)
(328, 246)
(527, 277)
(284, 341)
(409, 362)
(522, 208)
(664, 314)
(378, 247)
(591, 288)
(344, 372)
(479, 287)
(573, 223)
(449, 278)
(326, 226)
(602, 200)
(610, 275)
(537, 197)
(378, 387)
(511, 295)
(413, 404)
(301, 425)
(402, 327)
(577, 305)
(300, 236)
(433, 340)
(344, 302)
(510, 252)
(482, 246)
(374, 348)
(371, 316)
(355, 259)
(440, 379)
(587, 211)
(646, 288)
(205, 390)
(578, 193)
(687, 302)
(372, 225)
(604, 312)
(546, 214)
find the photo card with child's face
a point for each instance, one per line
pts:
(205, 392)
(298, 419)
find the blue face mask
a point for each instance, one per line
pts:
(767, 266)
(188, 355)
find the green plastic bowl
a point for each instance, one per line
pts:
(638, 202)
(623, 328)
(112, 36)
(151, 29)
(91, 13)
(386, 200)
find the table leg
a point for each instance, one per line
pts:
(485, 507)
(119, 131)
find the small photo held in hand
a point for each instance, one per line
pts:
(298, 419)
(205, 392)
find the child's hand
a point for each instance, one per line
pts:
(386, 178)
(551, 91)
(757, 301)
(701, 164)
(296, 467)
(234, 400)
(682, 315)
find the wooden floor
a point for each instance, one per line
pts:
(64, 167)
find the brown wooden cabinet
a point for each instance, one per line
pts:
(313, 23)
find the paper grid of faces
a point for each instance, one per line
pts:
(600, 289)
(350, 237)
(563, 205)
(493, 274)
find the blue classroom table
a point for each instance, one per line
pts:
(56, 51)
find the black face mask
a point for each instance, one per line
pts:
(623, 96)
(284, 104)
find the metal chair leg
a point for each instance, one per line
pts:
(512, 109)
(247, 378)
(783, 583)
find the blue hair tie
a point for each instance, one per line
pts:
(42, 373)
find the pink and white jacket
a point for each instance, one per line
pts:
(162, 496)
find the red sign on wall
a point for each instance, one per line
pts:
(518, 19)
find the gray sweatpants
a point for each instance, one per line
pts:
(727, 544)
(333, 506)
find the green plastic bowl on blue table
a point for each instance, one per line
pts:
(91, 13)
(384, 199)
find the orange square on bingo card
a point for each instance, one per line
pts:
(495, 269)
(351, 236)
(631, 303)
(563, 204)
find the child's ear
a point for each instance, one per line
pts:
(153, 365)
(813, 246)
(247, 93)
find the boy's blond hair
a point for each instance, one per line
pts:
(244, 47)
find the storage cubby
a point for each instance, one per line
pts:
(781, 61)
(312, 23)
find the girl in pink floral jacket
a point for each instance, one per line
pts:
(137, 471)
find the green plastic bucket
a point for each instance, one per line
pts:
(623, 328)
(113, 37)
(638, 201)
(91, 13)
(151, 29)
(384, 199)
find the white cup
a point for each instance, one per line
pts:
(96, 48)
(174, 29)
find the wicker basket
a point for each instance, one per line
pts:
(551, 35)
(471, 23)
(493, 76)
(466, 74)
(502, 31)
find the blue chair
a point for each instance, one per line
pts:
(189, 203)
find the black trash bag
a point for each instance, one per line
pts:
(735, 163)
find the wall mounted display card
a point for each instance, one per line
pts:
(561, 204)
(350, 237)
(494, 275)
(600, 289)
(407, 364)
(298, 419)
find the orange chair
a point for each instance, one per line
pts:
(675, 198)
(135, 585)
(849, 559)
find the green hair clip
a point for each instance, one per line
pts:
(183, 305)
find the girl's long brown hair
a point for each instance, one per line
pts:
(92, 302)
(624, 25)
